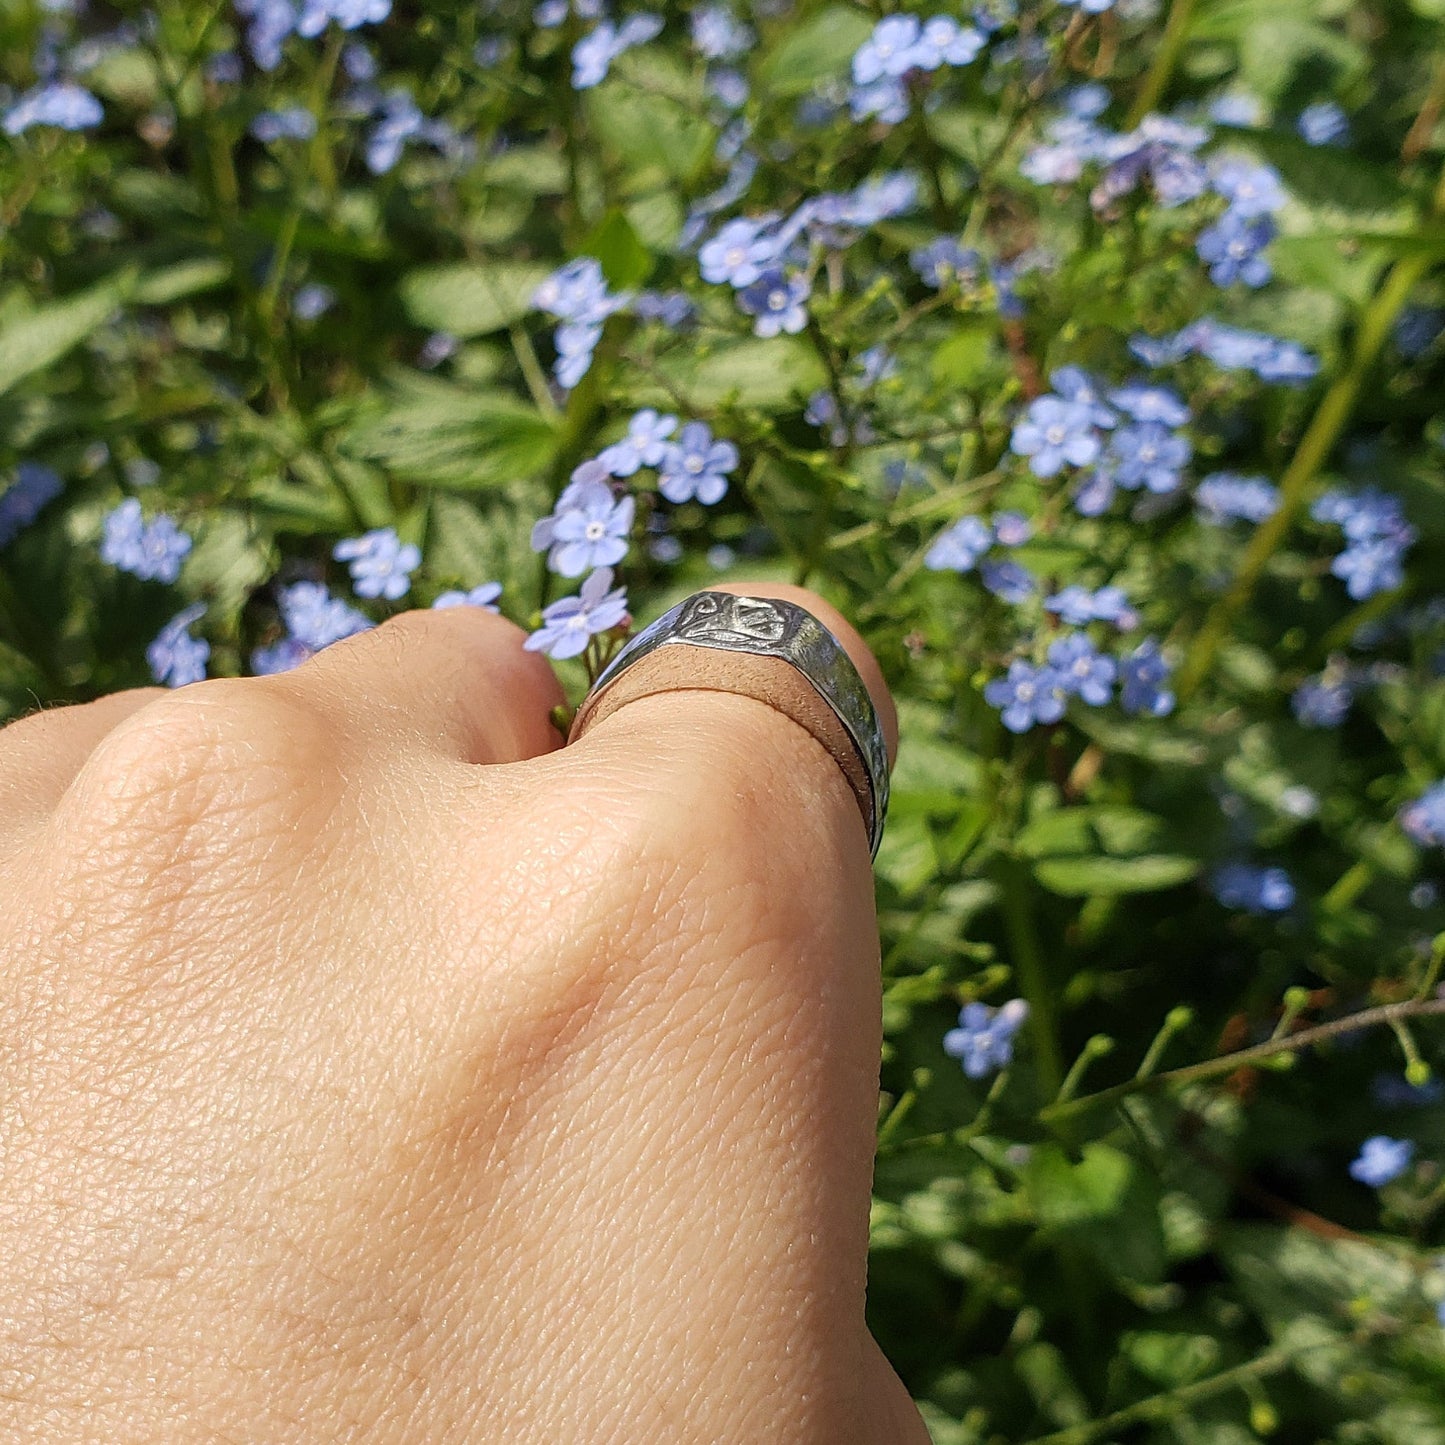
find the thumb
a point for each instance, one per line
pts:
(752, 998)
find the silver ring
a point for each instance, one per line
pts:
(800, 669)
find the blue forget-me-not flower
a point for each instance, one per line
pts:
(571, 622)
(175, 657)
(152, 551)
(984, 1039)
(381, 563)
(1382, 1160)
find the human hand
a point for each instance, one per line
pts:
(372, 1068)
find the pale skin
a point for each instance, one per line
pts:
(373, 1068)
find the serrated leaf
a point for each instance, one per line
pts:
(471, 299)
(1085, 877)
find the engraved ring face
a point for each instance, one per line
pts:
(767, 627)
(720, 618)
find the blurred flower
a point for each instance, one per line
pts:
(1078, 606)
(348, 14)
(381, 564)
(1251, 189)
(1012, 529)
(1323, 123)
(1318, 703)
(1008, 580)
(645, 444)
(1424, 819)
(1054, 433)
(175, 657)
(1382, 1160)
(1231, 249)
(1148, 454)
(776, 301)
(959, 546)
(738, 255)
(152, 551)
(1147, 401)
(484, 596)
(279, 656)
(592, 56)
(1141, 676)
(60, 103)
(570, 623)
(314, 618)
(1377, 534)
(312, 300)
(271, 21)
(1082, 669)
(1028, 695)
(696, 466)
(1225, 495)
(983, 1042)
(34, 487)
(717, 34)
(293, 123)
(943, 261)
(1253, 889)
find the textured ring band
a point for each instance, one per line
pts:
(767, 649)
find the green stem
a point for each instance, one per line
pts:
(1171, 45)
(1295, 486)
(1167, 1403)
(1386, 1014)
(1032, 974)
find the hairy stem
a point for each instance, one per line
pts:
(1388, 1015)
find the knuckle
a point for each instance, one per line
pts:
(217, 750)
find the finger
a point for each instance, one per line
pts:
(40, 754)
(741, 999)
(454, 682)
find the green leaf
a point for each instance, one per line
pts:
(185, 278)
(1329, 177)
(469, 299)
(649, 133)
(437, 435)
(769, 374)
(626, 262)
(34, 341)
(964, 357)
(820, 50)
(1085, 877)
(1064, 1194)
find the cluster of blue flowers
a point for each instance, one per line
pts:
(152, 551)
(900, 47)
(578, 297)
(1232, 349)
(1377, 536)
(983, 1042)
(271, 22)
(763, 258)
(1224, 496)
(590, 525)
(1130, 438)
